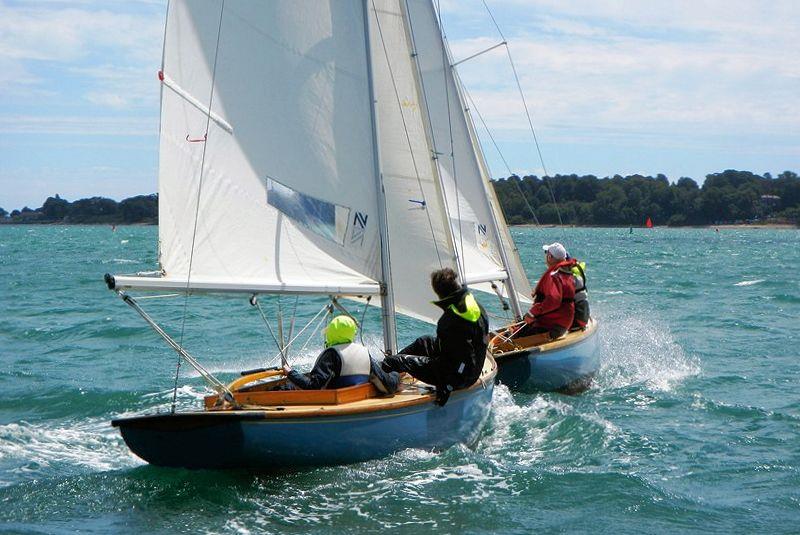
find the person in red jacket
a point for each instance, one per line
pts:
(553, 307)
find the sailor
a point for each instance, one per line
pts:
(453, 358)
(581, 296)
(553, 307)
(344, 362)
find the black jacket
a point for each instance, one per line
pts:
(329, 366)
(460, 341)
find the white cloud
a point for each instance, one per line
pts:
(108, 126)
(640, 67)
(54, 38)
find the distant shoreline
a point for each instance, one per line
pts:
(732, 226)
(785, 226)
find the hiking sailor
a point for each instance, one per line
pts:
(553, 309)
(453, 358)
(343, 363)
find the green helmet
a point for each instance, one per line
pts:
(341, 330)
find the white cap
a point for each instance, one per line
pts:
(556, 250)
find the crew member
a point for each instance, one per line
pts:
(553, 307)
(454, 358)
(344, 362)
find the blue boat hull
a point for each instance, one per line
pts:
(254, 440)
(567, 369)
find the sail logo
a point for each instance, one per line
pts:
(359, 229)
(482, 230)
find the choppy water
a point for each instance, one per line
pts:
(693, 423)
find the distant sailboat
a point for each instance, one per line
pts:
(648, 223)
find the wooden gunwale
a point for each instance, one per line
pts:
(400, 400)
(569, 339)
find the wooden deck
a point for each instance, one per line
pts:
(541, 342)
(338, 402)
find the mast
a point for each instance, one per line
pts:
(387, 292)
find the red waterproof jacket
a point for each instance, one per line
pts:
(554, 297)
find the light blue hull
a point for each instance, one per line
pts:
(567, 369)
(253, 440)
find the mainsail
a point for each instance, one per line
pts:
(288, 196)
(301, 138)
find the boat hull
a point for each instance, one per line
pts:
(568, 369)
(256, 440)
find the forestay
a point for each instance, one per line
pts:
(285, 175)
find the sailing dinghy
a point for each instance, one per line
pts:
(298, 156)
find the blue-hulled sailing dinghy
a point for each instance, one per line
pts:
(297, 157)
(292, 429)
(535, 363)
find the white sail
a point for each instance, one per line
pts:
(478, 227)
(288, 196)
(419, 234)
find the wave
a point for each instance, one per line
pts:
(749, 282)
(30, 450)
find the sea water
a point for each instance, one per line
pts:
(692, 424)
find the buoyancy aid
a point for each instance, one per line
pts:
(355, 365)
(472, 311)
(579, 277)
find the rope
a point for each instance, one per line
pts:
(405, 129)
(527, 111)
(197, 206)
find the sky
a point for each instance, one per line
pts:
(683, 88)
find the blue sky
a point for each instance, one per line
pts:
(681, 88)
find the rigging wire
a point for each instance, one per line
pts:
(445, 70)
(408, 136)
(363, 316)
(325, 307)
(197, 206)
(473, 106)
(254, 301)
(527, 110)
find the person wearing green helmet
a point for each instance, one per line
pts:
(344, 362)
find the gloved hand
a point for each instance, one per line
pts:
(388, 363)
(443, 394)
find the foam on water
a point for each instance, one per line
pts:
(636, 349)
(749, 282)
(30, 449)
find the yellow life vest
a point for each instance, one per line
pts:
(472, 312)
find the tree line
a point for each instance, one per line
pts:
(727, 197)
(139, 209)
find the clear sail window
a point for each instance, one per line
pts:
(321, 217)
